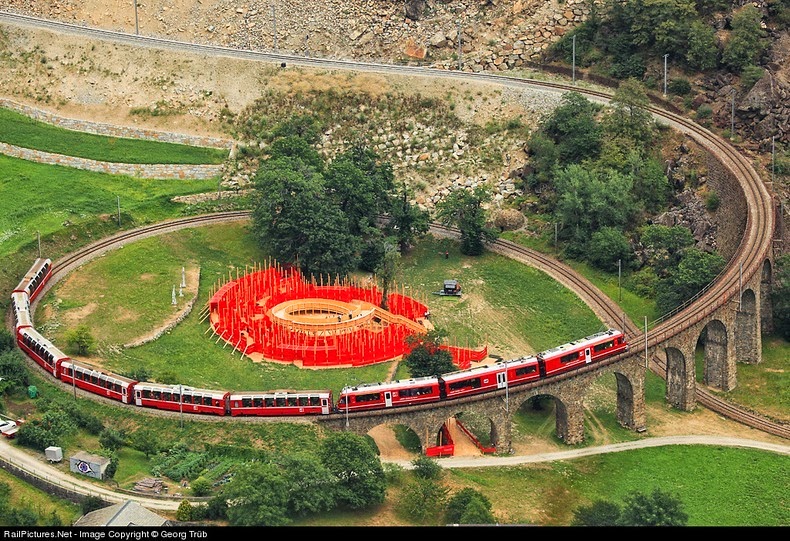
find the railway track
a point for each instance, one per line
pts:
(754, 248)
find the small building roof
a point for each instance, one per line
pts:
(87, 457)
(127, 513)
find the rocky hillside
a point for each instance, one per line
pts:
(485, 35)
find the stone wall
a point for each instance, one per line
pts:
(111, 130)
(141, 170)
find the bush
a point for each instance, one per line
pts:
(184, 512)
(712, 202)
(679, 87)
(426, 467)
(201, 486)
(704, 111)
(750, 75)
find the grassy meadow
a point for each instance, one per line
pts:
(23, 131)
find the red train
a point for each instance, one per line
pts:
(483, 379)
(367, 396)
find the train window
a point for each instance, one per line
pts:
(118, 387)
(94, 379)
(370, 397)
(257, 401)
(246, 402)
(157, 395)
(472, 383)
(303, 401)
(603, 346)
(315, 401)
(524, 370)
(269, 402)
(280, 402)
(292, 401)
(167, 396)
(206, 400)
(568, 357)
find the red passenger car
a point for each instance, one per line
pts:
(406, 392)
(580, 352)
(96, 381)
(274, 403)
(489, 378)
(40, 350)
(35, 278)
(20, 304)
(168, 397)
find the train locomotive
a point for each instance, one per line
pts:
(362, 397)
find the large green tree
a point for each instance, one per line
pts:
(573, 128)
(659, 508)
(465, 209)
(297, 222)
(360, 478)
(407, 222)
(426, 357)
(257, 496)
(311, 486)
(695, 270)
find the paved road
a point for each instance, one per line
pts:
(38, 465)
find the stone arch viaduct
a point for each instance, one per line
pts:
(726, 318)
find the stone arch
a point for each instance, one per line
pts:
(626, 403)
(680, 394)
(746, 330)
(478, 423)
(385, 436)
(715, 371)
(766, 304)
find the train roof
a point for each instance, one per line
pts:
(38, 337)
(389, 385)
(281, 392)
(92, 368)
(176, 388)
(40, 263)
(582, 342)
(471, 372)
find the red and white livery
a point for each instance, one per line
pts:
(272, 403)
(585, 351)
(96, 381)
(180, 398)
(408, 392)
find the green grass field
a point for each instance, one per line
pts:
(22, 131)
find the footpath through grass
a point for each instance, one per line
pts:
(20, 130)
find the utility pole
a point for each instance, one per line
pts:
(573, 71)
(732, 116)
(119, 211)
(274, 26)
(38, 234)
(460, 51)
(665, 75)
(136, 26)
(619, 275)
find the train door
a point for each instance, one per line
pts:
(587, 356)
(388, 399)
(501, 379)
(324, 406)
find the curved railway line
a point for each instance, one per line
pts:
(753, 250)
